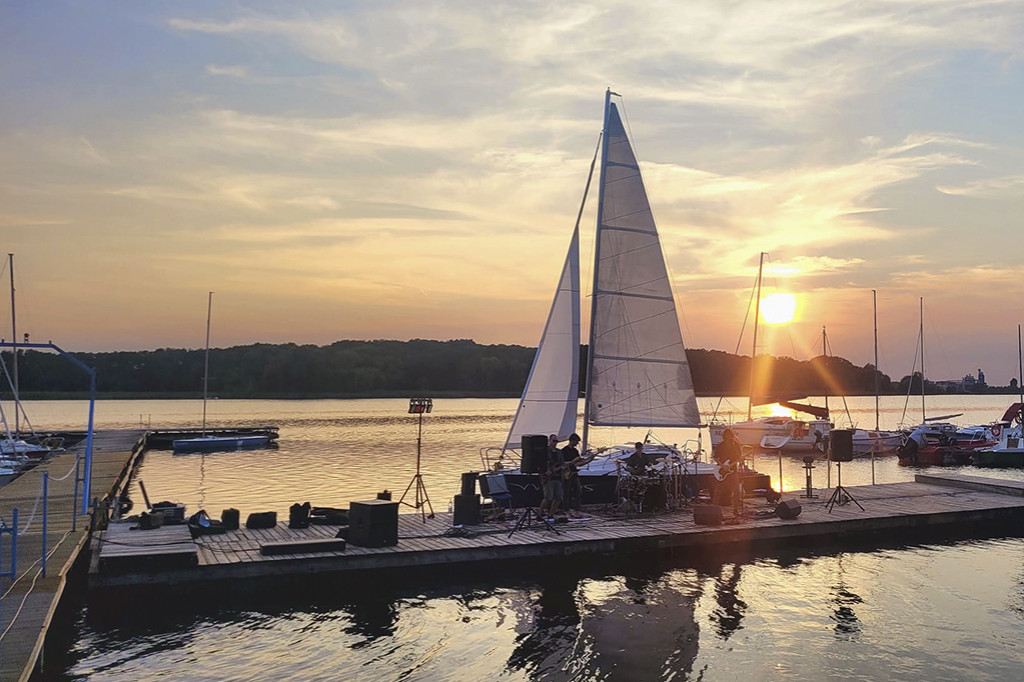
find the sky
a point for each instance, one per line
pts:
(397, 170)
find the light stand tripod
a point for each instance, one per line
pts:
(840, 495)
(419, 406)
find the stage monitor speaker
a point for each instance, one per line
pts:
(788, 509)
(466, 510)
(707, 515)
(842, 445)
(535, 454)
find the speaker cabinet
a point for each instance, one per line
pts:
(788, 509)
(707, 515)
(373, 523)
(469, 482)
(535, 454)
(466, 511)
(842, 445)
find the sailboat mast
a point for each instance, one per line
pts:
(14, 349)
(874, 308)
(924, 416)
(1020, 368)
(824, 351)
(206, 360)
(597, 259)
(753, 352)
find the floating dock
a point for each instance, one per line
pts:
(29, 601)
(123, 557)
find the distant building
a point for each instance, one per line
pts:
(969, 384)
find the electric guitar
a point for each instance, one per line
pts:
(571, 468)
(724, 468)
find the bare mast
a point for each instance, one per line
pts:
(874, 307)
(14, 352)
(753, 352)
(206, 361)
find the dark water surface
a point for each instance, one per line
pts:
(937, 611)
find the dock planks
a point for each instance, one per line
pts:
(901, 508)
(30, 601)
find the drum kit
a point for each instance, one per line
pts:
(664, 486)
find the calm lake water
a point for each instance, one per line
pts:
(922, 612)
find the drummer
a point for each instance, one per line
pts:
(636, 463)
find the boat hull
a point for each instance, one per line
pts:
(219, 443)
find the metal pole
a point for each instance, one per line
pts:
(74, 514)
(874, 309)
(14, 542)
(206, 362)
(753, 352)
(46, 492)
(597, 258)
(14, 353)
(924, 416)
(780, 471)
(87, 474)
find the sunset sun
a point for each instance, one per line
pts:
(778, 308)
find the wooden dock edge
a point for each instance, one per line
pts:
(978, 483)
(120, 483)
(779, 536)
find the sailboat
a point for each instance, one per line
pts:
(220, 441)
(637, 374)
(867, 441)
(938, 442)
(16, 446)
(781, 432)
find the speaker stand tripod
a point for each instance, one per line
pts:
(528, 517)
(840, 495)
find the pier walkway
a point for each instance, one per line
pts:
(124, 557)
(29, 602)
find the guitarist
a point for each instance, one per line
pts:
(571, 473)
(727, 456)
(551, 479)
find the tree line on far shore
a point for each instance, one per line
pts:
(402, 368)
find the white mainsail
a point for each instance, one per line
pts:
(639, 375)
(551, 395)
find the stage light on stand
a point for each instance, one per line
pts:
(419, 406)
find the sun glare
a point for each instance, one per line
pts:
(780, 411)
(778, 308)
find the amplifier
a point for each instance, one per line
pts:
(373, 523)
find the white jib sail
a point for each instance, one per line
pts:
(551, 395)
(639, 372)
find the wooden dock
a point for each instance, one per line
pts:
(29, 602)
(125, 558)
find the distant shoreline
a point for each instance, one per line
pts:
(385, 395)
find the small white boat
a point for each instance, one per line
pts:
(219, 442)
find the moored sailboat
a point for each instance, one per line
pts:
(207, 441)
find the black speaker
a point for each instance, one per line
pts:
(707, 515)
(469, 483)
(373, 523)
(788, 509)
(466, 511)
(842, 445)
(535, 454)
